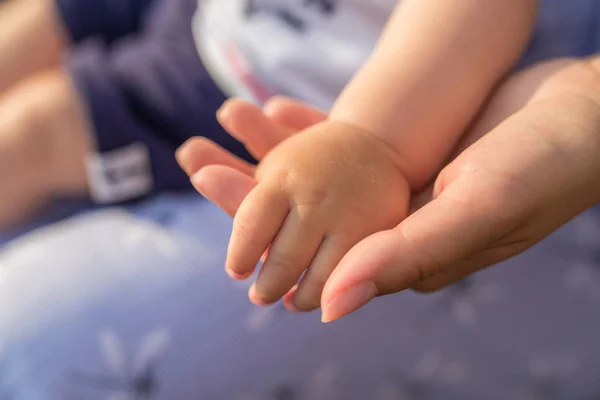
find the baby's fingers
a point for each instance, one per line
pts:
(199, 152)
(226, 187)
(248, 124)
(293, 114)
(289, 255)
(255, 225)
(331, 251)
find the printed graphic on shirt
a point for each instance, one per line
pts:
(288, 14)
(306, 49)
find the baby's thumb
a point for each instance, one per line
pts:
(435, 237)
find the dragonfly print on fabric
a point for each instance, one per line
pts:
(136, 380)
(461, 302)
(320, 386)
(581, 251)
(547, 379)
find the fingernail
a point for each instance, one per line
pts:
(255, 299)
(288, 301)
(179, 158)
(197, 178)
(348, 301)
(178, 153)
(236, 276)
(291, 307)
(222, 112)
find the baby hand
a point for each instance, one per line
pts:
(319, 193)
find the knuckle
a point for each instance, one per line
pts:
(305, 192)
(312, 197)
(424, 263)
(281, 264)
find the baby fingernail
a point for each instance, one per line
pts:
(291, 307)
(179, 153)
(288, 300)
(236, 276)
(348, 301)
(255, 299)
(222, 112)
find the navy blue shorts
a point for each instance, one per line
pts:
(138, 71)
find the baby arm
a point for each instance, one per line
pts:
(435, 65)
(323, 191)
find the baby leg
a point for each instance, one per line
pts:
(44, 137)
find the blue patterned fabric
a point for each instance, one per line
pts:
(120, 304)
(133, 304)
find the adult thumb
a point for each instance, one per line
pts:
(435, 237)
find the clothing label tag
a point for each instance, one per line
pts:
(120, 175)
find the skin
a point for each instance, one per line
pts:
(33, 43)
(44, 138)
(32, 39)
(351, 176)
(527, 165)
(44, 130)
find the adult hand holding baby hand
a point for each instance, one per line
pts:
(528, 165)
(319, 193)
(327, 188)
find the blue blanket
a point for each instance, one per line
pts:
(134, 304)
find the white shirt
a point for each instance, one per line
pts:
(306, 49)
